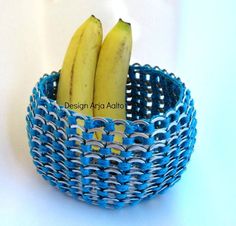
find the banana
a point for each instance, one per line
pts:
(65, 80)
(76, 82)
(111, 75)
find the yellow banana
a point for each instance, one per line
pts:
(65, 81)
(111, 74)
(76, 83)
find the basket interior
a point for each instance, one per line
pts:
(150, 92)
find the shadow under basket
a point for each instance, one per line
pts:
(157, 142)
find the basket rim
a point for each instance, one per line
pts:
(136, 66)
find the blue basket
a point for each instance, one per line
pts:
(157, 142)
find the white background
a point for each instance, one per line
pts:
(194, 39)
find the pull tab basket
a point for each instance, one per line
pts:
(158, 140)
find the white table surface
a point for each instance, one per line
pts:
(194, 39)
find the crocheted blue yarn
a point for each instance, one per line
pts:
(157, 142)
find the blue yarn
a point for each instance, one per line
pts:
(69, 143)
(103, 163)
(58, 175)
(57, 146)
(44, 159)
(102, 184)
(56, 157)
(85, 161)
(102, 174)
(71, 131)
(142, 186)
(144, 177)
(45, 169)
(110, 126)
(71, 120)
(70, 182)
(162, 171)
(84, 172)
(69, 164)
(102, 193)
(147, 155)
(119, 205)
(44, 138)
(69, 154)
(43, 149)
(128, 140)
(88, 124)
(126, 154)
(105, 151)
(48, 117)
(56, 166)
(123, 178)
(87, 136)
(61, 113)
(59, 123)
(146, 166)
(85, 148)
(86, 189)
(149, 141)
(74, 190)
(107, 138)
(57, 134)
(160, 180)
(122, 187)
(124, 166)
(85, 181)
(71, 174)
(121, 196)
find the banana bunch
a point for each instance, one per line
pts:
(94, 73)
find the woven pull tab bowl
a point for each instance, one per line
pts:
(156, 143)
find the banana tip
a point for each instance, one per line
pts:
(94, 17)
(120, 20)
